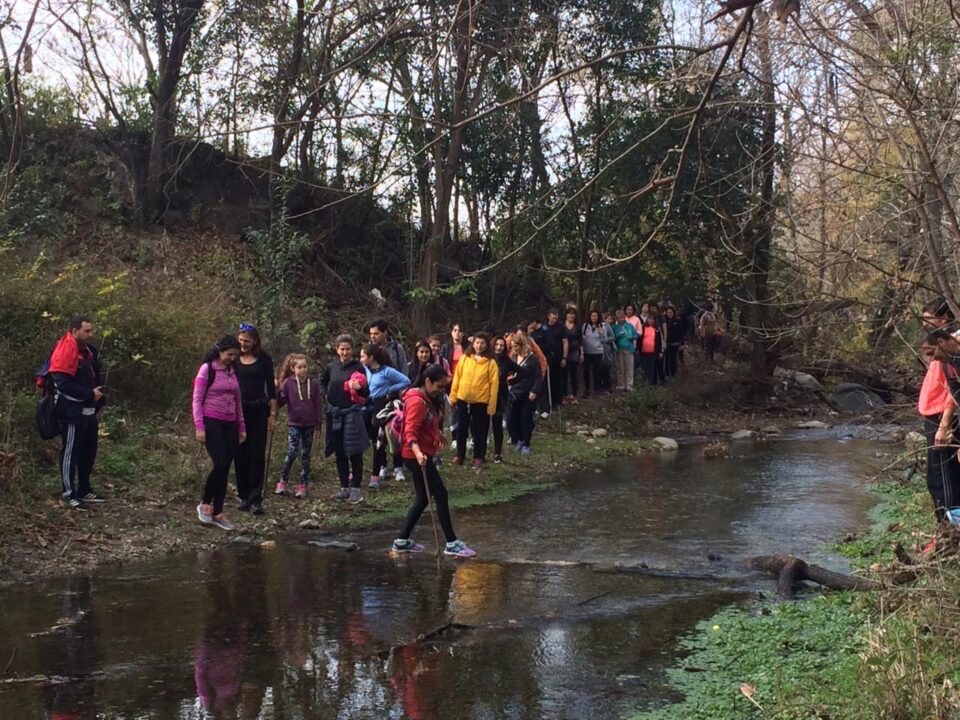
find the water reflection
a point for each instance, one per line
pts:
(296, 633)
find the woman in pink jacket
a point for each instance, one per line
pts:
(218, 419)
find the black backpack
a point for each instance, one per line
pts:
(47, 416)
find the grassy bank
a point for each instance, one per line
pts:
(884, 655)
(152, 472)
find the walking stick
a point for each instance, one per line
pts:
(433, 515)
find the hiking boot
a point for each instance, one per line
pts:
(342, 494)
(497, 459)
(256, 509)
(406, 546)
(301, 491)
(221, 522)
(398, 475)
(355, 497)
(281, 488)
(458, 548)
(205, 513)
(92, 497)
(374, 482)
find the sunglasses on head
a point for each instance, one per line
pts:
(247, 327)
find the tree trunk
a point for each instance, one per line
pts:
(165, 100)
(791, 570)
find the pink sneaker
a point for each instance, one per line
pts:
(301, 491)
(458, 548)
(281, 488)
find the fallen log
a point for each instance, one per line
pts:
(790, 570)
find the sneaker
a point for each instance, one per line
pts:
(525, 450)
(952, 515)
(517, 446)
(438, 461)
(384, 474)
(221, 522)
(205, 513)
(457, 460)
(497, 459)
(407, 546)
(544, 415)
(477, 464)
(244, 506)
(398, 475)
(281, 488)
(256, 509)
(356, 496)
(458, 548)
(301, 491)
(76, 504)
(342, 494)
(92, 497)
(374, 482)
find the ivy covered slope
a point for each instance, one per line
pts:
(889, 655)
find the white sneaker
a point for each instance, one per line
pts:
(384, 474)
(544, 415)
(398, 475)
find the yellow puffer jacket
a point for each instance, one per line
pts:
(476, 380)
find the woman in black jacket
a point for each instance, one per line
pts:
(525, 386)
(506, 367)
(346, 434)
(258, 392)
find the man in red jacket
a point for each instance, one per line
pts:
(76, 377)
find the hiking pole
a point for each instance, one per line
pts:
(433, 515)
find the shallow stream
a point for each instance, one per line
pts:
(298, 632)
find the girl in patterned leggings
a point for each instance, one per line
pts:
(301, 394)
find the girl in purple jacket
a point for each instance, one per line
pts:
(218, 420)
(301, 394)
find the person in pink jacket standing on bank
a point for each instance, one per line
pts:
(218, 420)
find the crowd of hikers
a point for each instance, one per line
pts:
(373, 396)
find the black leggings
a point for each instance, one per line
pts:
(251, 462)
(472, 418)
(221, 443)
(648, 362)
(379, 453)
(943, 469)
(521, 420)
(346, 465)
(670, 360)
(592, 367)
(571, 385)
(437, 491)
(496, 425)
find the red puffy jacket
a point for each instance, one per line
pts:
(421, 424)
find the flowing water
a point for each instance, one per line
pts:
(297, 632)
